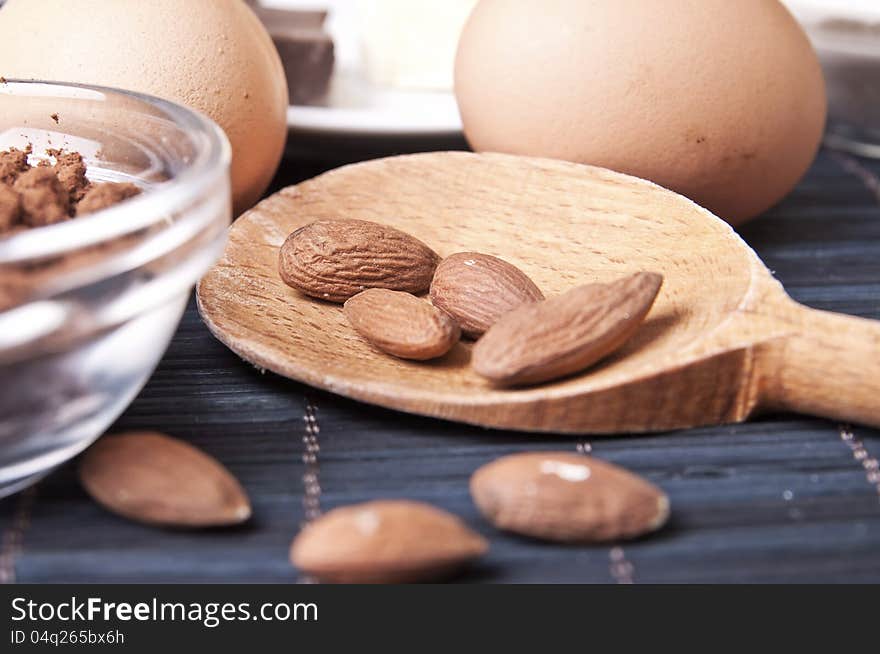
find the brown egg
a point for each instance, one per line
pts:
(212, 55)
(721, 101)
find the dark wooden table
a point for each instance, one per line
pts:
(781, 499)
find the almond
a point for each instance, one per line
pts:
(385, 541)
(567, 497)
(401, 324)
(159, 480)
(566, 334)
(478, 289)
(336, 259)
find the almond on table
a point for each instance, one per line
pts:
(385, 541)
(155, 479)
(335, 259)
(401, 324)
(566, 497)
(566, 334)
(478, 289)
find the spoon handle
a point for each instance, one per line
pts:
(828, 366)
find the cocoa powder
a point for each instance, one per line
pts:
(10, 208)
(43, 200)
(13, 163)
(51, 192)
(101, 196)
(71, 172)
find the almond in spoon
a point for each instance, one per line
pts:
(385, 541)
(566, 334)
(478, 289)
(401, 324)
(335, 259)
(152, 478)
(567, 497)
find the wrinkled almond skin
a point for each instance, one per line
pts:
(401, 324)
(334, 260)
(478, 289)
(568, 498)
(385, 542)
(566, 334)
(155, 479)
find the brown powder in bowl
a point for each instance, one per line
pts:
(71, 171)
(44, 201)
(101, 196)
(49, 193)
(13, 163)
(10, 208)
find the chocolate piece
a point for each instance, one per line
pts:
(278, 19)
(306, 50)
(850, 26)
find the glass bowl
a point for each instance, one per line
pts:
(846, 35)
(88, 306)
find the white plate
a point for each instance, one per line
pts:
(813, 11)
(355, 107)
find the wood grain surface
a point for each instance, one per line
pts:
(782, 498)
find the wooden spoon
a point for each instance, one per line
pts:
(722, 341)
